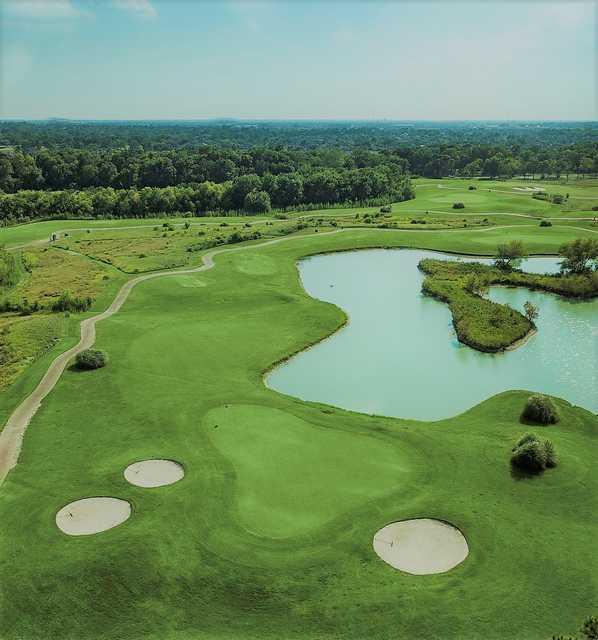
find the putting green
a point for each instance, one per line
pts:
(293, 475)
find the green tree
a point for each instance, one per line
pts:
(531, 311)
(579, 255)
(257, 202)
(508, 254)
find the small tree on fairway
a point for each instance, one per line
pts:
(531, 311)
(532, 454)
(91, 359)
(509, 253)
(540, 409)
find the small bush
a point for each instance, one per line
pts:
(471, 188)
(385, 209)
(458, 205)
(545, 223)
(532, 454)
(595, 208)
(68, 302)
(91, 359)
(540, 409)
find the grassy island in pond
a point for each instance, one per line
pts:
(481, 323)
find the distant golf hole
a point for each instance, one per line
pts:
(154, 473)
(92, 515)
(421, 546)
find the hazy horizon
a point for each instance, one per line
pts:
(298, 61)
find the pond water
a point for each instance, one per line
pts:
(399, 355)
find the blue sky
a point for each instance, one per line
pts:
(297, 59)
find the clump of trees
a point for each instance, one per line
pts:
(68, 302)
(509, 254)
(579, 256)
(91, 359)
(458, 205)
(540, 409)
(532, 454)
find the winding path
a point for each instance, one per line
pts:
(11, 437)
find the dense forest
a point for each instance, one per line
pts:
(82, 169)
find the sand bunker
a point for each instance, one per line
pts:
(421, 546)
(92, 515)
(154, 473)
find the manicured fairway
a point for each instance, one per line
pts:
(269, 534)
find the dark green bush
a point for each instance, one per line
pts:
(532, 454)
(68, 302)
(471, 188)
(91, 359)
(540, 409)
(385, 209)
(545, 223)
(458, 205)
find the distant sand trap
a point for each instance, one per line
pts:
(154, 473)
(92, 515)
(421, 546)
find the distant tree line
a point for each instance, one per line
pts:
(71, 168)
(249, 194)
(140, 169)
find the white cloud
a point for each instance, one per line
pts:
(141, 7)
(42, 9)
(570, 14)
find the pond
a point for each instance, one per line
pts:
(399, 355)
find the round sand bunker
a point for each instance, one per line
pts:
(154, 473)
(421, 546)
(92, 515)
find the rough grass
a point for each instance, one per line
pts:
(52, 272)
(192, 562)
(25, 339)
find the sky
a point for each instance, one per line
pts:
(332, 59)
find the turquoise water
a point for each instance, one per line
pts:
(399, 356)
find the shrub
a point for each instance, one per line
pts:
(91, 359)
(595, 208)
(545, 223)
(68, 302)
(532, 454)
(471, 188)
(385, 209)
(590, 628)
(550, 452)
(558, 198)
(540, 409)
(458, 205)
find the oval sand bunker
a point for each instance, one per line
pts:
(92, 515)
(154, 473)
(421, 546)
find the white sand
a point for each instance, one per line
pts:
(421, 546)
(92, 515)
(154, 473)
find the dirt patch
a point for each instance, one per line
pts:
(421, 547)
